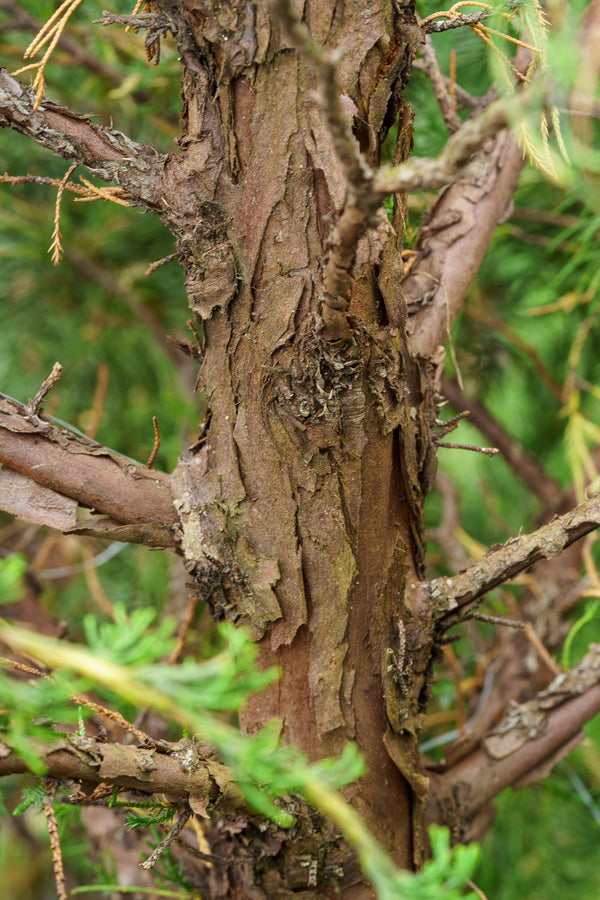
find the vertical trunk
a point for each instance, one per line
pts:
(301, 506)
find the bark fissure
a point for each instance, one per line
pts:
(300, 511)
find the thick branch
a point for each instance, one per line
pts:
(523, 748)
(454, 241)
(175, 769)
(452, 597)
(92, 475)
(110, 155)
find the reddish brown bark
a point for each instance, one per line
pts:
(300, 509)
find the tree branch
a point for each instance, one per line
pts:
(361, 203)
(431, 26)
(22, 20)
(452, 597)
(454, 241)
(523, 748)
(424, 174)
(138, 500)
(175, 769)
(113, 157)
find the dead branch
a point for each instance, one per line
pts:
(33, 407)
(52, 825)
(138, 501)
(179, 769)
(523, 748)
(453, 597)
(110, 155)
(155, 24)
(525, 466)
(434, 27)
(20, 19)
(178, 823)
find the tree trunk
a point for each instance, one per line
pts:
(302, 503)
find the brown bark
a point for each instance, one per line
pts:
(519, 750)
(300, 456)
(300, 509)
(137, 501)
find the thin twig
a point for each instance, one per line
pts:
(49, 33)
(452, 85)
(56, 246)
(430, 26)
(446, 426)
(178, 823)
(496, 620)
(477, 890)
(33, 407)
(160, 262)
(532, 637)
(488, 451)
(86, 191)
(94, 416)
(156, 446)
(524, 465)
(52, 825)
(194, 598)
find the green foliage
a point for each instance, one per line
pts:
(32, 796)
(161, 815)
(129, 639)
(12, 570)
(191, 695)
(29, 712)
(544, 846)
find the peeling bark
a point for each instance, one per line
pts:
(299, 510)
(133, 503)
(519, 750)
(453, 597)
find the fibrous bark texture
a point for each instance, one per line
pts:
(299, 509)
